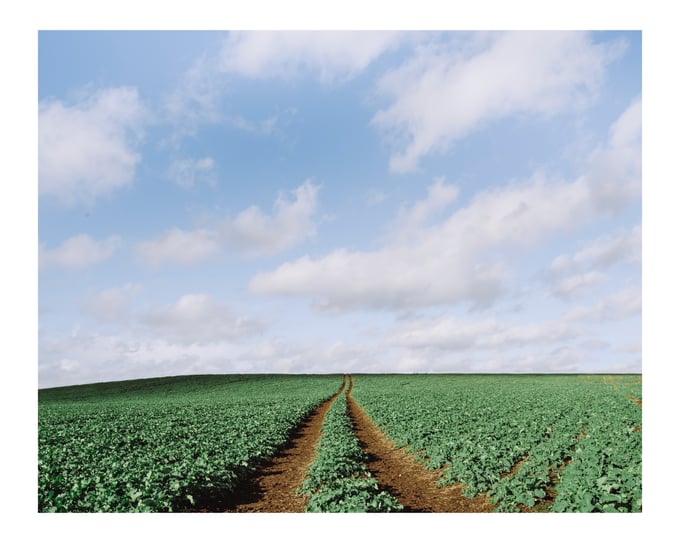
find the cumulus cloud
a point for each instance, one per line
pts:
(79, 252)
(197, 318)
(188, 172)
(602, 253)
(634, 347)
(262, 127)
(387, 279)
(313, 356)
(572, 274)
(566, 287)
(93, 357)
(439, 264)
(251, 233)
(631, 366)
(179, 246)
(616, 167)
(558, 360)
(192, 318)
(448, 89)
(113, 305)
(453, 334)
(620, 305)
(412, 219)
(458, 259)
(89, 149)
(333, 55)
(542, 359)
(197, 99)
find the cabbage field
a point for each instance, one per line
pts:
(171, 444)
(521, 443)
(554, 443)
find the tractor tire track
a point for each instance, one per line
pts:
(273, 488)
(408, 481)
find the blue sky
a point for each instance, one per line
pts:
(217, 202)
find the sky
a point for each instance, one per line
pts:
(327, 201)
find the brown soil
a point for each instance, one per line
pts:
(515, 469)
(611, 381)
(273, 489)
(569, 459)
(554, 473)
(407, 480)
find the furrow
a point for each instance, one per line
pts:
(273, 488)
(407, 480)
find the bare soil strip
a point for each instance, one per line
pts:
(514, 470)
(554, 473)
(610, 380)
(407, 480)
(273, 488)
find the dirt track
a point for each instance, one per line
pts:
(273, 489)
(407, 480)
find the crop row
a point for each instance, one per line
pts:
(562, 443)
(338, 480)
(178, 448)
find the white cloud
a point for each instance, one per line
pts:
(197, 99)
(572, 274)
(334, 55)
(594, 344)
(602, 253)
(313, 356)
(439, 197)
(452, 334)
(192, 318)
(442, 265)
(187, 173)
(88, 149)
(439, 264)
(620, 305)
(68, 365)
(547, 359)
(79, 252)
(566, 287)
(113, 305)
(617, 166)
(634, 347)
(197, 318)
(459, 259)
(179, 246)
(194, 334)
(447, 90)
(92, 358)
(558, 360)
(265, 127)
(390, 278)
(252, 232)
(268, 349)
(626, 131)
(630, 366)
